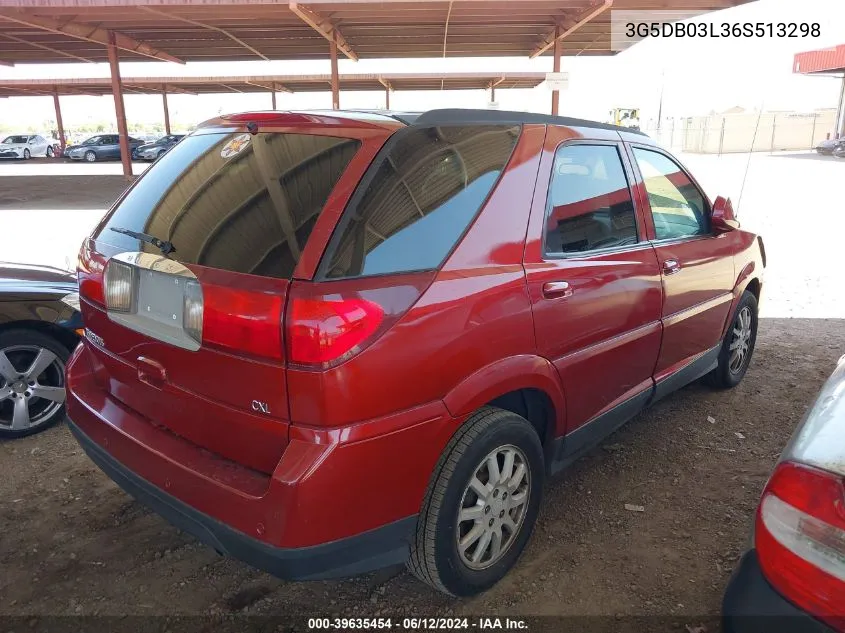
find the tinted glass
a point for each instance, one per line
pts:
(14, 139)
(677, 205)
(233, 201)
(589, 204)
(427, 187)
(94, 140)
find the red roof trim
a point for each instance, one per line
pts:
(825, 60)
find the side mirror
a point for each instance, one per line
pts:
(722, 218)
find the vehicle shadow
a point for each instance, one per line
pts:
(808, 156)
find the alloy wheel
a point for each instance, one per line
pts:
(90, 157)
(493, 507)
(32, 386)
(741, 339)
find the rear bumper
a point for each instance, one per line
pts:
(340, 502)
(382, 547)
(751, 605)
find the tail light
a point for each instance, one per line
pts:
(90, 271)
(192, 311)
(800, 539)
(119, 286)
(243, 321)
(327, 323)
(324, 332)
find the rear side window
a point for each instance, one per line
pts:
(589, 205)
(426, 187)
(236, 202)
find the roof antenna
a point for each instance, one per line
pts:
(750, 151)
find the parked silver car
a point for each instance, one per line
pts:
(793, 576)
(25, 146)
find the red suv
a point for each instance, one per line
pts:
(329, 342)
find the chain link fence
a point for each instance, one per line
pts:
(732, 133)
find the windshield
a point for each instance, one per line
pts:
(15, 139)
(233, 201)
(92, 141)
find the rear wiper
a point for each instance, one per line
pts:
(164, 246)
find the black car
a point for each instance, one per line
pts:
(40, 324)
(839, 152)
(831, 146)
(151, 151)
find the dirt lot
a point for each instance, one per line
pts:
(72, 543)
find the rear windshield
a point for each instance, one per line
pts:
(233, 201)
(424, 189)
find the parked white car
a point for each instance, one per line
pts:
(25, 146)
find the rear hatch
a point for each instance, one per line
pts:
(184, 283)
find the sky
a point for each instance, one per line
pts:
(695, 77)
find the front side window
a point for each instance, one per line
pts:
(428, 185)
(589, 204)
(234, 201)
(677, 206)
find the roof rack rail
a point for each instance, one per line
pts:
(459, 115)
(407, 118)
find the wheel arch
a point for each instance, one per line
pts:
(748, 279)
(527, 385)
(64, 336)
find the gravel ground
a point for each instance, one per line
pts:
(72, 543)
(75, 544)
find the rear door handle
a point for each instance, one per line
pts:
(555, 289)
(671, 266)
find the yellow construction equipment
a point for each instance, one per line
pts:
(626, 117)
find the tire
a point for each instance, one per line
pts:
(18, 350)
(728, 373)
(90, 156)
(26, 154)
(50, 152)
(436, 556)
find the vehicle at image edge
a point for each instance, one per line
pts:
(829, 147)
(26, 146)
(329, 342)
(40, 324)
(151, 151)
(793, 576)
(839, 152)
(100, 147)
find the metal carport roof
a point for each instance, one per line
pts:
(271, 83)
(216, 30)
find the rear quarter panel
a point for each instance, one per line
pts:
(475, 313)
